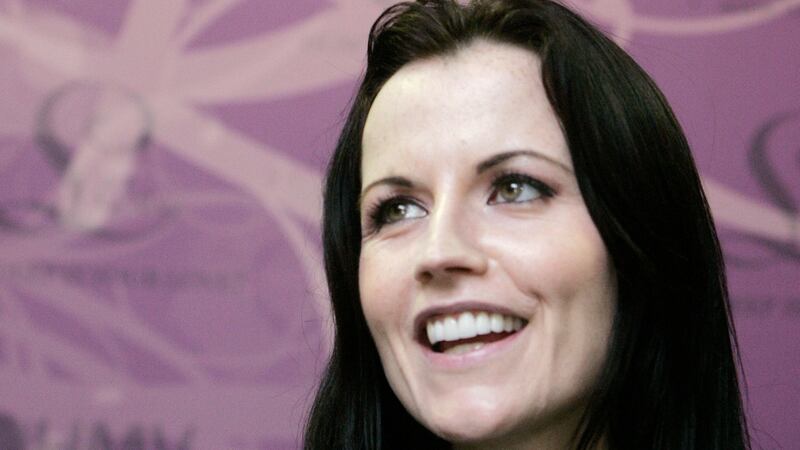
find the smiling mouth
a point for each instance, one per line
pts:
(469, 331)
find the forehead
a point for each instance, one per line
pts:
(457, 109)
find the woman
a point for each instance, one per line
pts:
(518, 249)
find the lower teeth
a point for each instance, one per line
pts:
(464, 348)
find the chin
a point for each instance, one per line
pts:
(469, 424)
(500, 419)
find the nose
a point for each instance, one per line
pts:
(449, 248)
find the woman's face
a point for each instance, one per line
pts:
(485, 284)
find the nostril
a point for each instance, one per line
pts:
(448, 253)
(427, 275)
(424, 277)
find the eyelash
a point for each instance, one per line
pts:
(545, 191)
(377, 211)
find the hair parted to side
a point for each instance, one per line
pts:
(671, 376)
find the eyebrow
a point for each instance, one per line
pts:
(482, 167)
(505, 156)
(391, 181)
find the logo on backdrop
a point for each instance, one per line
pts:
(93, 137)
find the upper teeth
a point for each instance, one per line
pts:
(468, 324)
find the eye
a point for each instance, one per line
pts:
(394, 210)
(517, 188)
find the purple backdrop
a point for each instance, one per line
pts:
(160, 274)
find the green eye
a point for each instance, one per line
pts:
(511, 191)
(517, 189)
(396, 210)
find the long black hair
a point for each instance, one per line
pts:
(670, 380)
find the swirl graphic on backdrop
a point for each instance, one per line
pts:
(625, 22)
(775, 140)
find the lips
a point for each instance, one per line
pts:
(461, 329)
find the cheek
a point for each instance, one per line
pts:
(369, 289)
(564, 258)
(385, 300)
(576, 282)
(582, 271)
(563, 265)
(379, 291)
(578, 288)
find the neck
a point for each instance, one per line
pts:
(542, 444)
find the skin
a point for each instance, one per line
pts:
(460, 235)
